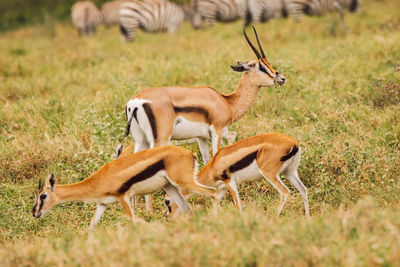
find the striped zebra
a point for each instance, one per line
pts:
(211, 11)
(320, 7)
(86, 17)
(150, 16)
(110, 11)
(264, 10)
(351, 5)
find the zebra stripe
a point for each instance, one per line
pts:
(150, 16)
(320, 7)
(86, 17)
(211, 11)
(264, 10)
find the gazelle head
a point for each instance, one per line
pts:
(45, 197)
(259, 70)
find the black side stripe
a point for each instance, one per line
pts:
(244, 162)
(194, 109)
(152, 119)
(143, 175)
(290, 154)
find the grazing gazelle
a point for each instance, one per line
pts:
(261, 156)
(169, 168)
(157, 115)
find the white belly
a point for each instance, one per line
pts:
(185, 129)
(250, 173)
(150, 185)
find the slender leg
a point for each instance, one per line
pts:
(203, 146)
(215, 141)
(126, 205)
(149, 202)
(232, 187)
(177, 197)
(97, 215)
(276, 182)
(221, 193)
(296, 182)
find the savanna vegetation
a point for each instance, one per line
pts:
(62, 102)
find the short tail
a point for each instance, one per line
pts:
(118, 150)
(291, 153)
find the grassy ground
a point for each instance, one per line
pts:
(62, 109)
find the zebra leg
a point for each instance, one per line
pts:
(341, 15)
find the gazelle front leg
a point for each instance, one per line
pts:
(203, 146)
(232, 187)
(97, 215)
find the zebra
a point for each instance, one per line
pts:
(264, 10)
(320, 7)
(110, 11)
(85, 17)
(211, 11)
(150, 16)
(351, 5)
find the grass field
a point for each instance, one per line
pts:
(62, 102)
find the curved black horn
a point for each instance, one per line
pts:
(259, 45)
(251, 45)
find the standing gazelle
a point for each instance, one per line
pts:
(169, 168)
(157, 115)
(262, 156)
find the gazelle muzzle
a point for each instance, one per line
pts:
(279, 79)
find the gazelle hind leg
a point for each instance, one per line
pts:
(294, 179)
(276, 182)
(177, 197)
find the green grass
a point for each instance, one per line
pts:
(62, 104)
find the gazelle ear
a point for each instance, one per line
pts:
(51, 181)
(240, 67)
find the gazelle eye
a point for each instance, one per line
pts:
(43, 197)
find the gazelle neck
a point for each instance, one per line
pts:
(80, 191)
(205, 177)
(243, 97)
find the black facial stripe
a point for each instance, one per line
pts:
(264, 70)
(41, 204)
(143, 175)
(194, 109)
(152, 119)
(244, 162)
